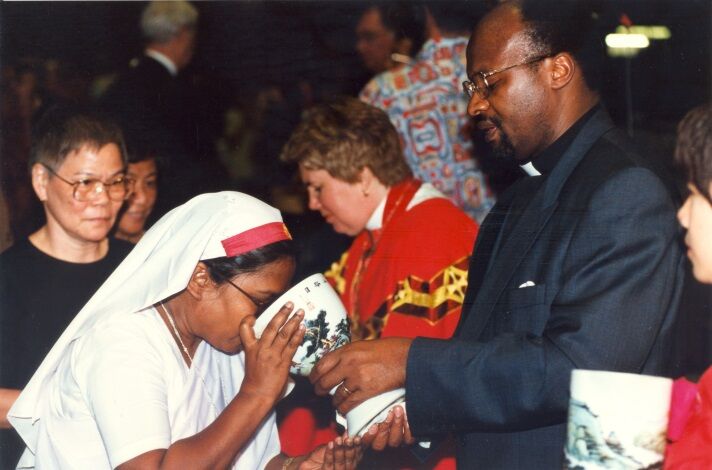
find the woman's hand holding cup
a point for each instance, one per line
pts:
(268, 358)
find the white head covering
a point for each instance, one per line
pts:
(208, 226)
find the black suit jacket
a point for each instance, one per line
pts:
(598, 240)
(152, 105)
(162, 114)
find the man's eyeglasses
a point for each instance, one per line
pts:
(479, 84)
(261, 306)
(118, 189)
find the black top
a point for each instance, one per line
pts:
(39, 296)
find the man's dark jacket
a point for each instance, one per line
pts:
(162, 114)
(588, 277)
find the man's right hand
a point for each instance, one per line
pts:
(362, 369)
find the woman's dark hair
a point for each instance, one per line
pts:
(225, 268)
(67, 128)
(456, 16)
(138, 150)
(405, 18)
(694, 148)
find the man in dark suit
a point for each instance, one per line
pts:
(578, 266)
(158, 108)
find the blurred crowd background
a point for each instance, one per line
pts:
(258, 65)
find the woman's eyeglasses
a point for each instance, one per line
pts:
(261, 305)
(117, 189)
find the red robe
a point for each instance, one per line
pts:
(406, 279)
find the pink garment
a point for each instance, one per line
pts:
(690, 426)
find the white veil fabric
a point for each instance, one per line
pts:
(208, 226)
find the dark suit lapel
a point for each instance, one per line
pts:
(508, 257)
(536, 213)
(480, 259)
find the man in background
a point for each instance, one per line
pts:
(158, 107)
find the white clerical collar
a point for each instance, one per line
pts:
(529, 169)
(163, 60)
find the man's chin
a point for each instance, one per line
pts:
(502, 151)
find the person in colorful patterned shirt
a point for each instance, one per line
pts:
(406, 272)
(424, 100)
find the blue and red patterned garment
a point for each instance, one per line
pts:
(425, 102)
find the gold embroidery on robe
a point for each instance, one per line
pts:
(429, 300)
(336, 273)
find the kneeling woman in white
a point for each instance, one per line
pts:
(161, 368)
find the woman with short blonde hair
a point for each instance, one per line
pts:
(405, 273)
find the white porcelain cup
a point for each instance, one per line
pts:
(327, 325)
(372, 411)
(324, 316)
(616, 420)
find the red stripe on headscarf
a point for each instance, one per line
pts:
(255, 238)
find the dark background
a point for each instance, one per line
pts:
(306, 50)
(244, 46)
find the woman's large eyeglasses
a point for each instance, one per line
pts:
(261, 306)
(479, 84)
(118, 189)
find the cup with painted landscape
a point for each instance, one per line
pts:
(327, 328)
(616, 420)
